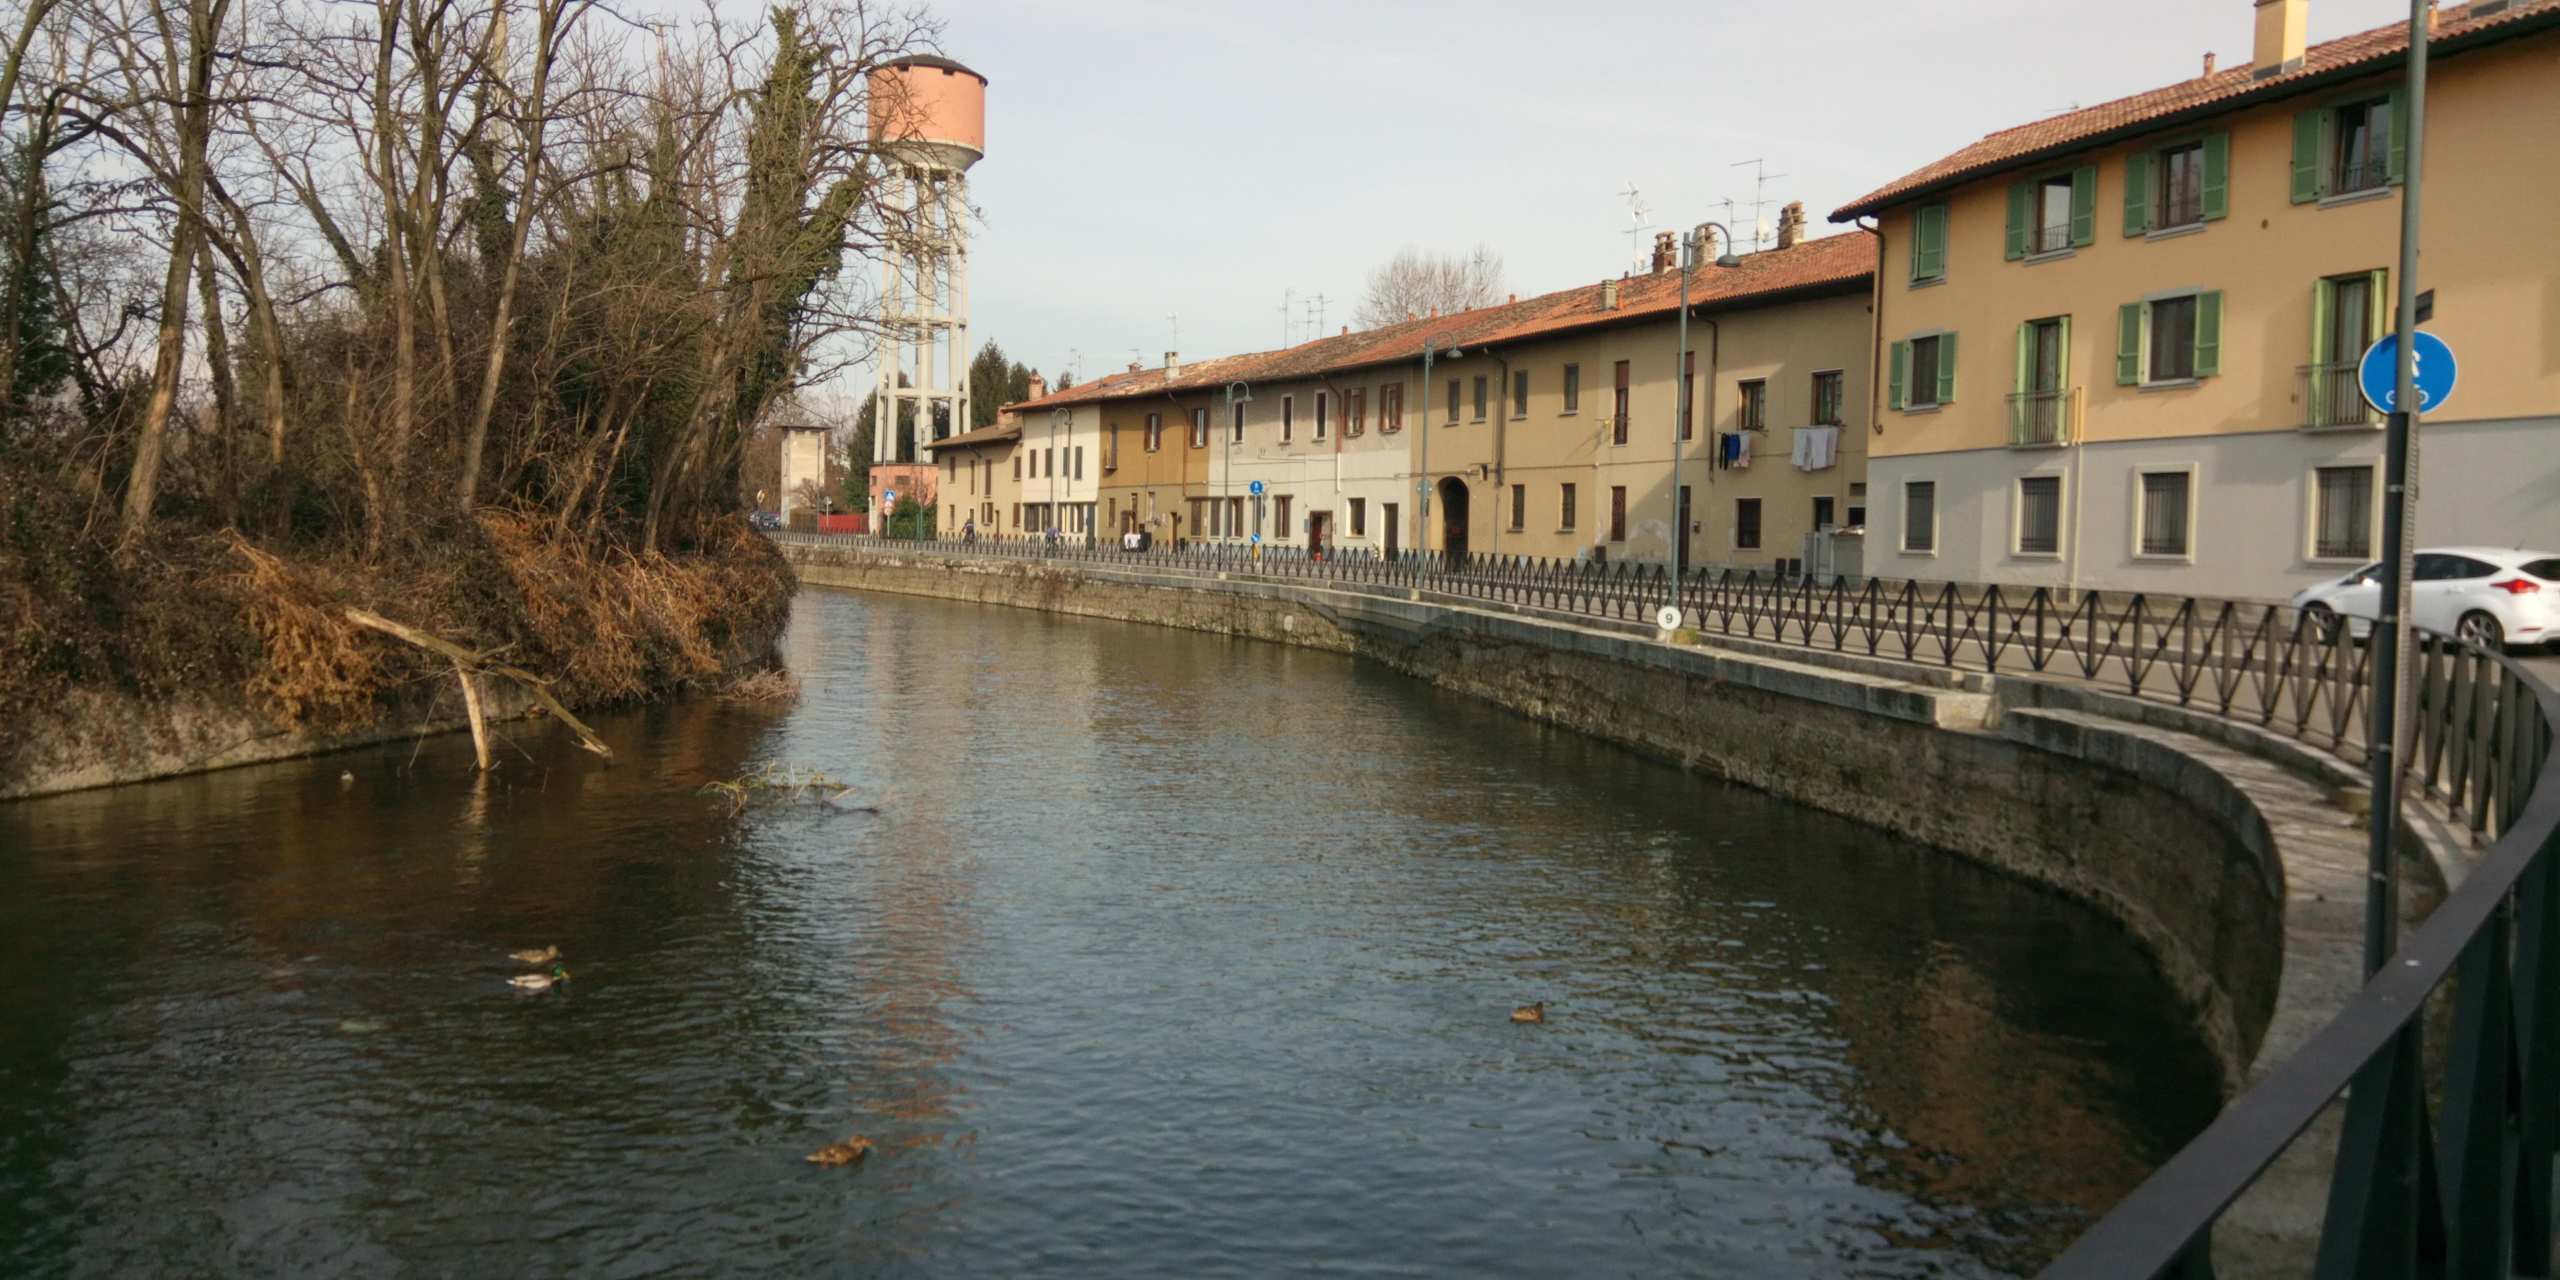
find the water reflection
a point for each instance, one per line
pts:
(1168, 955)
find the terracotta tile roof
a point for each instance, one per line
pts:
(2366, 51)
(997, 434)
(1833, 261)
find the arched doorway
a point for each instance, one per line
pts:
(1453, 520)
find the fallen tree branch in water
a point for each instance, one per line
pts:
(468, 663)
(786, 785)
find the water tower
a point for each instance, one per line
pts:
(929, 119)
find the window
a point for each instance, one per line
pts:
(1288, 417)
(1823, 512)
(1519, 506)
(1280, 525)
(1564, 507)
(2181, 199)
(1199, 522)
(2050, 232)
(1755, 405)
(2169, 340)
(1200, 428)
(2345, 317)
(2342, 513)
(1049, 462)
(1354, 408)
(2163, 513)
(1453, 400)
(1111, 450)
(1017, 466)
(1572, 388)
(1478, 415)
(2038, 410)
(1079, 474)
(1618, 408)
(1920, 516)
(1688, 393)
(2039, 515)
(1929, 244)
(1324, 402)
(2173, 339)
(1391, 407)
(1359, 515)
(1155, 432)
(1520, 393)
(1617, 513)
(1235, 424)
(1827, 395)
(1922, 372)
(1858, 503)
(2360, 158)
(1746, 524)
(1235, 517)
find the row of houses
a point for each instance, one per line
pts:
(2110, 349)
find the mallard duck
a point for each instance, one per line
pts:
(539, 981)
(1530, 1012)
(845, 1152)
(547, 955)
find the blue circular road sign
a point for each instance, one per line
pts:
(1255, 488)
(889, 497)
(2432, 374)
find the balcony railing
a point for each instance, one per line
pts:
(2040, 417)
(2359, 173)
(2332, 396)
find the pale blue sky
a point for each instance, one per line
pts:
(1195, 158)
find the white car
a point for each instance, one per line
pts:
(2490, 596)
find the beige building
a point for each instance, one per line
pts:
(979, 475)
(2120, 343)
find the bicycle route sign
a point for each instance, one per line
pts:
(2432, 372)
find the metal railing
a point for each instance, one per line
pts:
(2465, 1187)
(2040, 417)
(2333, 396)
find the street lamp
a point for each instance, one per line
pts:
(1691, 246)
(1237, 393)
(1422, 509)
(1059, 420)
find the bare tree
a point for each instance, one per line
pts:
(1417, 282)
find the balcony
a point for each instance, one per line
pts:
(2332, 398)
(2039, 419)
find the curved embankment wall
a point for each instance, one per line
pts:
(2127, 818)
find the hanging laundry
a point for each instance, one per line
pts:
(1728, 446)
(1742, 451)
(1816, 447)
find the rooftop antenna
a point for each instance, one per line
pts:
(1636, 224)
(1286, 332)
(1176, 322)
(1075, 361)
(1759, 199)
(1315, 307)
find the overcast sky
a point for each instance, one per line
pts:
(1149, 159)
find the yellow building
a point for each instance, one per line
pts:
(2120, 343)
(980, 480)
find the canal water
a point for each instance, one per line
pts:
(1166, 955)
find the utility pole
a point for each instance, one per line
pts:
(1692, 247)
(1422, 487)
(1237, 394)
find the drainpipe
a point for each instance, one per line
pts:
(2079, 500)
(1501, 433)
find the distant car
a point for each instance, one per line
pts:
(765, 520)
(2490, 596)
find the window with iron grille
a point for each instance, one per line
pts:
(1755, 405)
(1617, 513)
(1564, 507)
(1826, 398)
(1920, 515)
(2039, 515)
(2362, 136)
(1746, 524)
(2051, 229)
(2164, 513)
(2342, 513)
(2181, 198)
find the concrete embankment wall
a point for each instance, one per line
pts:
(2118, 817)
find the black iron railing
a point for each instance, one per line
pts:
(2456, 1170)
(2332, 396)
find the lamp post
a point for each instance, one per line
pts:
(1422, 483)
(1237, 393)
(1059, 419)
(1691, 246)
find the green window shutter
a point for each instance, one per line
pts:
(1938, 240)
(2324, 303)
(2020, 195)
(2217, 175)
(1898, 369)
(2306, 155)
(2025, 380)
(1920, 243)
(2084, 204)
(2137, 192)
(2399, 134)
(2062, 376)
(2208, 333)
(2377, 316)
(2129, 344)
(1946, 368)
(1929, 242)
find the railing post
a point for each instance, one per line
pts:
(2383, 1204)
(2537, 978)
(2479, 1145)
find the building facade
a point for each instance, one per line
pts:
(2120, 344)
(977, 475)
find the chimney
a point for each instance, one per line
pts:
(2281, 28)
(1608, 295)
(1665, 256)
(2208, 62)
(1136, 365)
(1039, 387)
(1512, 299)
(1172, 365)
(1791, 225)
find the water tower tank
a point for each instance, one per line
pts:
(931, 111)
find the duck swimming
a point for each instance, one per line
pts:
(539, 981)
(1530, 1012)
(547, 955)
(841, 1153)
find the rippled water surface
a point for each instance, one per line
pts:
(1168, 955)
